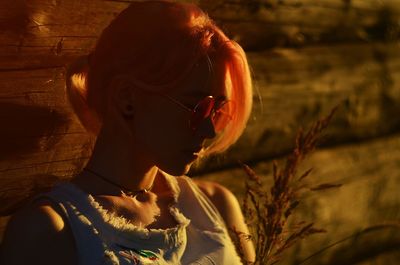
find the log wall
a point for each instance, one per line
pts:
(306, 57)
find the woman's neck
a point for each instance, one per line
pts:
(115, 158)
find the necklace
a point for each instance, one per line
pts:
(124, 190)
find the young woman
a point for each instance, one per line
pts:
(162, 88)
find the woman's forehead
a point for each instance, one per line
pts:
(203, 80)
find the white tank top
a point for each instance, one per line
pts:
(101, 237)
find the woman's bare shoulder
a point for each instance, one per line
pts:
(225, 201)
(230, 210)
(38, 234)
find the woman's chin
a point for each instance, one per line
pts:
(177, 169)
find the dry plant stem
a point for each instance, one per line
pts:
(267, 212)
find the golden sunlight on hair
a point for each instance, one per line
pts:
(76, 86)
(181, 35)
(238, 87)
(79, 82)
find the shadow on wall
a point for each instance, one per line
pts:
(27, 129)
(13, 198)
(15, 17)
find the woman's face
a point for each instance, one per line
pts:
(161, 126)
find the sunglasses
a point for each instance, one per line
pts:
(218, 109)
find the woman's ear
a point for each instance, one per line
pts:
(123, 97)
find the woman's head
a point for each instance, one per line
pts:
(159, 45)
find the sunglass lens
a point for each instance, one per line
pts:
(202, 110)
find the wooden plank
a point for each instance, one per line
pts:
(36, 86)
(62, 27)
(34, 163)
(261, 24)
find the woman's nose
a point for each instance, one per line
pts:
(206, 129)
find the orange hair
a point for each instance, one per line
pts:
(158, 43)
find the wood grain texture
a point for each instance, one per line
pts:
(258, 24)
(56, 29)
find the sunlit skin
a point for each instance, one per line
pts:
(133, 153)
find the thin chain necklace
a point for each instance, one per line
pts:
(124, 190)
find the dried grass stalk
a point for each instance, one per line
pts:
(267, 212)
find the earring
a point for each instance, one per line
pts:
(128, 114)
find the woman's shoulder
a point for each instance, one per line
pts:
(39, 233)
(223, 199)
(42, 211)
(229, 208)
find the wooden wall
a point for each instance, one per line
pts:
(306, 57)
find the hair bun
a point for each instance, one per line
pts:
(76, 86)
